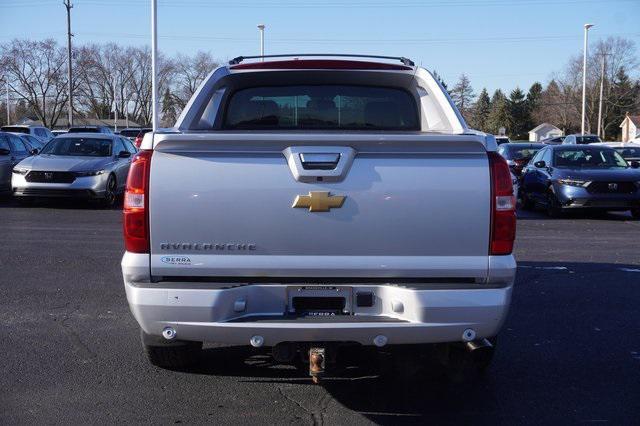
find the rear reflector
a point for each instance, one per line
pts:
(136, 204)
(503, 206)
(320, 64)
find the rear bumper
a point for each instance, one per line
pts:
(427, 315)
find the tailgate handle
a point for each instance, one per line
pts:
(319, 161)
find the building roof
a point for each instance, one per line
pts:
(542, 126)
(63, 123)
(635, 119)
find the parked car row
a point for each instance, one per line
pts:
(576, 176)
(74, 165)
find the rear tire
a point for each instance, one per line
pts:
(554, 209)
(110, 192)
(171, 355)
(526, 203)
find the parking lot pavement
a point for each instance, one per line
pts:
(570, 350)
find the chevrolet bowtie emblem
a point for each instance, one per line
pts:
(319, 201)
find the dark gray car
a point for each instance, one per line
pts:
(12, 151)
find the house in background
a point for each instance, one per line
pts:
(630, 127)
(544, 131)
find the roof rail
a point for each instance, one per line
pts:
(405, 61)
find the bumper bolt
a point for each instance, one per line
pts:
(256, 341)
(468, 335)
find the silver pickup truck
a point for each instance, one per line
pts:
(302, 204)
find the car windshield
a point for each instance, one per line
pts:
(522, 153)
(322, 107)
(83, 147)
(628, 152)
(583, 140)
(587, 158)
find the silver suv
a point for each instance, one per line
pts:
(42, 133)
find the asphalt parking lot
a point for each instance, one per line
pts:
(570, 350)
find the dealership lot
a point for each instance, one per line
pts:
(570, 349)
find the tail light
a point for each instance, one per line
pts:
(136, 204)
(503, 206)
(138, 141)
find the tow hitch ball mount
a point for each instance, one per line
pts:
(316, 363)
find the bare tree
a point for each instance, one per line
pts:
(36, 71)
(189, 73)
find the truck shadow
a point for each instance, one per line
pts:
(565, 344)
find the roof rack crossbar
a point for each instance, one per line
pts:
(405, 61)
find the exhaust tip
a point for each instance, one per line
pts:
(256, 341)
(169, 333)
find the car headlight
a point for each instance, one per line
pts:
(20, 171)
(90, 173)
(573, 182)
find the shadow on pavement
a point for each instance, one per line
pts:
(566, 352)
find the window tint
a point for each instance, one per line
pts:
(129, 146)
(83, 147)
(4, 142)
(546, 157)
(15, 129)
(17, 146)
(539, 155)
(588, 158)
(321, 107)
(118, 147)
(40, 132)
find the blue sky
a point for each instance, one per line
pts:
(497, 43)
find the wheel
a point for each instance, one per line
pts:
(171, 355)
(526, 202)
(110, 192)
(635, 213)
(554, 209)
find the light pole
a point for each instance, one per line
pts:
(154, 63)
(68, 5)
(6, 80)
(604, 55)
(261, 28)
(584, 72)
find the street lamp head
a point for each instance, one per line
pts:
(587, 26)
(261, 26)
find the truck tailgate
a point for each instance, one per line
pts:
(415, 205)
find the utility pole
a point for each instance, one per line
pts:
(261, 28)
(584, 72)
(154, 64)
(6, 80)
(69, 6)
(600, 130)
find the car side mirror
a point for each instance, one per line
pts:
(634, 164)
(34, 151)
(540, 164)
(4, 151)
(124, 154)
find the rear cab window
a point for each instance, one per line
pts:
(321, 107)
(15, 129)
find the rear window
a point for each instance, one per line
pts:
(582, 140)
(518, 153)
(16, 129)
(321, 107)
(629, 152)
(84, 130)
(130, 133)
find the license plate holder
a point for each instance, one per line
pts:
(319, 300)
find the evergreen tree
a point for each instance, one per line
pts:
(499, 115)
(519, 112)
(440, 80)
(169, 110)
(481, 111)
(534, 98)
(462, 95)
(625, 96)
